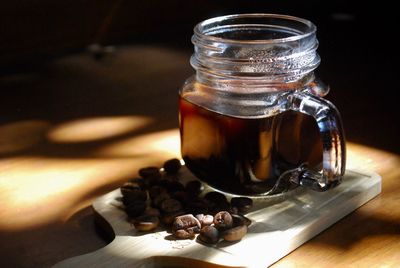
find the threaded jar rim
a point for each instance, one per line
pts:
(206, 28)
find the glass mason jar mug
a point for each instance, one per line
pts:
(252, 119)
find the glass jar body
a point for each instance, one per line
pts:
(244, 150)
(252, 119)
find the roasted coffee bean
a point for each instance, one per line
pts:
(243, 204)
(140, 182)
(163, 183)
(240, 220)
(235, 233)
(223, 220)
(126, 200)
(185, 221)
(185, 226)
(157, 200)
(215, 197)
(194, 187)
(150, 172)
(233, 210)
(181, 196)
(174, 186)
(205, 220)
(170, 205)
(221, 206)
(156, 190)
(146, 223)
(168, 219)
(209, 235)
(151, 175)
(199, 217)
(136, 208)
(132, 195)
(172, 166)
(184, 233)
(197, 206)
(128, 187)
(168, 194)
(152, 212)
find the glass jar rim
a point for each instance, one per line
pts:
(199, 29)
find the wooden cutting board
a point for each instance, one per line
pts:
(279, 225)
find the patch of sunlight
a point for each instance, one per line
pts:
(32, 186)
(163, 144)
(38, 190)
(92, 129)
(376, 160)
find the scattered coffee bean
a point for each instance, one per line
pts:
(135, 208)
(172, 166)
(127, 187)
(223, 220)
(170, 205)
(133, 195)
(168, 195)
(199, 217)
(194, 187)
(209, 235)
(152, 212)
(140, 182)
(243, 204)
(163, 183)
(185, 226)
(197, 206)
(146, 223)
(151, 175)
(181, 196)
(184, 234)
(174, 186)
(157, 200)
(240, 220)
(205, 220)
(185, 221)
(156, 190)
(235, 233)
(168, 218)
(233, 210)
(150, 172)
(216, 202)
(221, 206)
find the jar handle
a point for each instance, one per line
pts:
(333, 142)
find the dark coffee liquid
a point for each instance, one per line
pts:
(246, 155)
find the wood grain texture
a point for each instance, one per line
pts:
(279, 225)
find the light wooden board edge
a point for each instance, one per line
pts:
(116, 254)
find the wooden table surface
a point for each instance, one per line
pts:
(56, 161)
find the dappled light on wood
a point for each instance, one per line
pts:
(33, 184)
(96, 128)
(162, 144)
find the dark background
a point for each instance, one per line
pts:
(357, 47)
